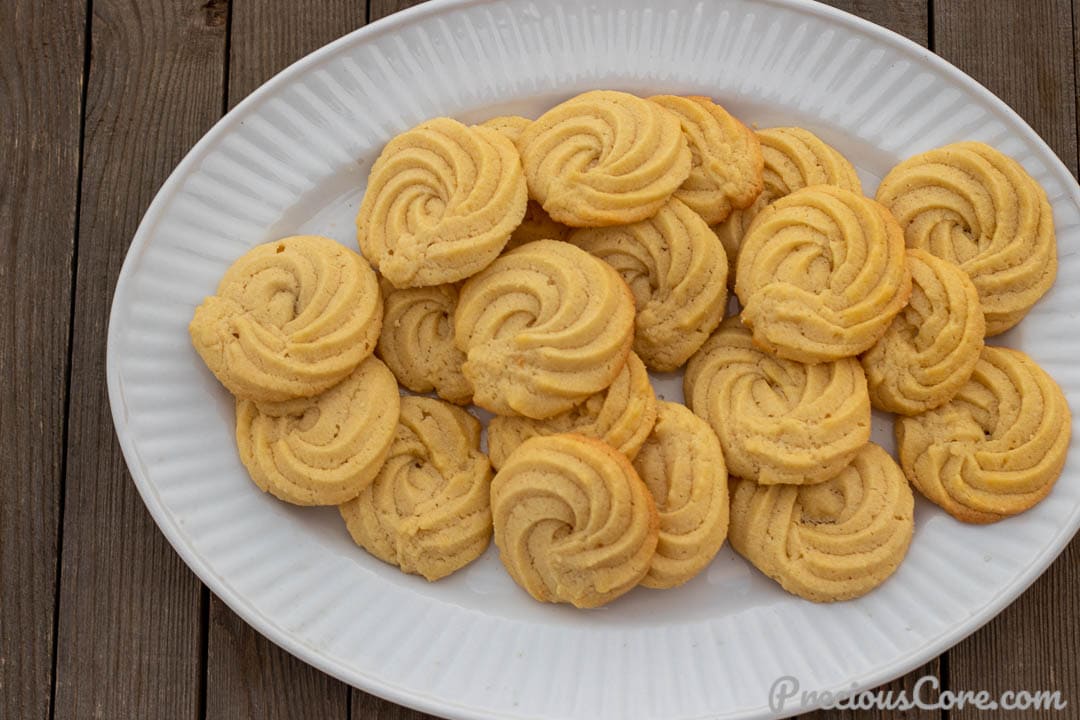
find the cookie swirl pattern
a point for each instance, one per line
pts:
(683, 466)
(441, 202)
(821, 274)
(326, 449)
(428, 511)
(793, 159)
(970, 204)
(833, 541)
(290, 319)
(779, 421)
(997, 448)
(726, 161)
(931, 348)
(417, 341)
(573, 521)
(543, 328)
(677, 271)
(621, 415)
(604, 158)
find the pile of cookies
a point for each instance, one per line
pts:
(539, 269)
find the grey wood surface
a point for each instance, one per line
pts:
(99, 99)
(41, 72)
(130, 633)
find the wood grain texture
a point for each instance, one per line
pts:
(1024, 53)
(369, 707)
(128, 629)
(247, 676)
(250, 678)
(905, 17)
(41, 72)
(1076, 74)
(269, 35)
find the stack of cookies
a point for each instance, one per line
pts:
(539, 269)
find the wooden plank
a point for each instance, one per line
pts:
(906, 17)
(1076, 76)
(268, 35)
(1023, 52)
(128, 627)
(247, 675)
(250, 678)
(41, 72)
(379, 9)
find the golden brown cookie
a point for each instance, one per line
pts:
(821, 274)
(417, 341)
(726, 164)
(290, 319)
(536, 225)
(972, 205)
(441, 202)
(621, 415)
(994, 450)
(509, 126)
(325, 449)
(544, 327)
(779, 421)
(931, 348)
(677, 270)
(793, 159)
(683, 466)
(604, 158)
(837, 540)
(429, 509)
(573, 521)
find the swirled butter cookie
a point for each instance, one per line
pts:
(793, 159)
(417, 341)
(621, 415)
(779, 421)
(683, 466)
(509, 126)
(677, 271)
(994, 450)
(726, 162)
(974, 206)
(429, 509)
(931, 348)
(325, 449)
(441, 202)
(543, 327)
(604, 158)
(821, 274)
(290, 319)
(573, 521)
(832, 541)
(537, 224)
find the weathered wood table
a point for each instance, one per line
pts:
(99, 100)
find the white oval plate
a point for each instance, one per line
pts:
(294, 158)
